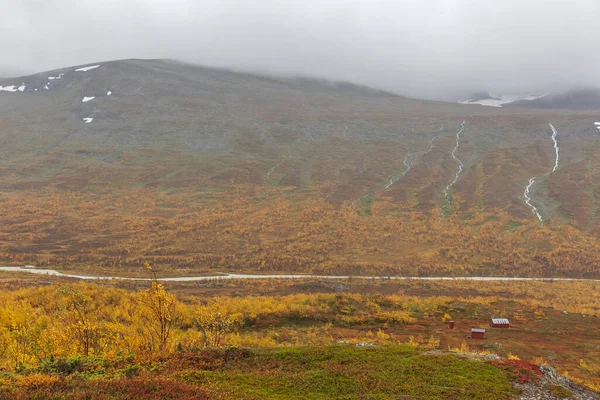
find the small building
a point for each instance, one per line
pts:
(477, 333)
(499, 323)
(451, 324)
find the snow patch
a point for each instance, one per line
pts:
(86, 99)
(86, 69)
(109, 93)
(51, 78)
(13, 88)
(502, 99)
(597, 125)
(46, 87)
(88, 120)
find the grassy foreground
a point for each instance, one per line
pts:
(293, 340)
(311, 372)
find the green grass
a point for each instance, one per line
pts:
(347, 372)
(366, 202)
(512, 225)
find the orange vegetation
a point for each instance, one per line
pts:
(253, 229)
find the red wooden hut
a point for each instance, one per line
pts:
(477, 333)
(499, 323)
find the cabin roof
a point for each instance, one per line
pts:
(477, 330)
(500, 321)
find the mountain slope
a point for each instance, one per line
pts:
(577, 99)
(211, 169)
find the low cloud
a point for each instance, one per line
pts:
(421, 48)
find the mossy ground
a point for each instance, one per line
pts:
(308, 372)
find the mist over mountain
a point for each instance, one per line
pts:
(436, 50)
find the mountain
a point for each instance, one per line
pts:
(501, 100)
(104, 166)
(576, 99)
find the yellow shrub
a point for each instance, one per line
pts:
(589, 368)
(399, 317)
(37, 381)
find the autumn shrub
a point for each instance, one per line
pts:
(65, 366)
(589, 367)
(350, 320)
(398, 317)
(102, 389)
(521, 371)
(36, 382)
(129, 371)
(209, 358)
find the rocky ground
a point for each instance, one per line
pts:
(554, 387)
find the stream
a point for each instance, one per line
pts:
(532, 180)
(459, 162)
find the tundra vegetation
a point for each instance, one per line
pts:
(249, 229)
(216, 340)
(200, 170)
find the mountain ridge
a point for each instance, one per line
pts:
(191, 147)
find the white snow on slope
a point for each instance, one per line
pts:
(86, 69)
(13, 88)
(500, 100)
(56, 77)
(88, 120)
(86, 99)
(597, 125)
(109, 93)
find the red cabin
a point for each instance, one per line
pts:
(499, 323)
(477, 333)
(451, 324)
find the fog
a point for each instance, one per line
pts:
(421, 48)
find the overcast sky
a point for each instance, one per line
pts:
(421, 48)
